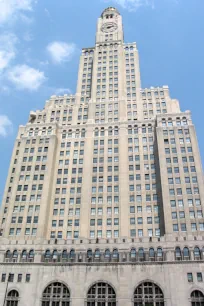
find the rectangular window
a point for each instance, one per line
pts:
(27, 278)
(199, 277)
(140, 232)
(199, 214)
(132, 209)
(183, 227)
(3, 277)
(175, 227)
(193, 227)
(116, 210)
(133, 233)
(19, 280)
(201, 226)
(11, 278)
(180, 203)
(139, 220)
(174, 215)
(190, 277)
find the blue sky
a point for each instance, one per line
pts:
(40, 42)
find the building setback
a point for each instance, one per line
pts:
(104, 199)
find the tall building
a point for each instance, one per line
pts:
(104, 199)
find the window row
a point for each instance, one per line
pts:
(194, 227)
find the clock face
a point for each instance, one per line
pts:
(109, 27)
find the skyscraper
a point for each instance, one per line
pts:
(104, 199)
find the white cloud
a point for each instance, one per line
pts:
(61, 51)
(133, 4)
(5, 58)
(7, 49)
(12, 9)
(5, 125)
(62, 91)
(25, 77)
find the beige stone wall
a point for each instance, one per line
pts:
(171, 278)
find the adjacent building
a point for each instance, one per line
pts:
(104, 199)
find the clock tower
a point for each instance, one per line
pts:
(109, 27)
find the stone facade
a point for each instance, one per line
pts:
(104, 199)
(124, 271)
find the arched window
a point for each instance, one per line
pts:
(133, 253)
(83, 133)
(163, 122)
(31, 254)
(102, 132)
(178, 253)
(89, 253)
(159, 252)
(116, 131)
(202, 252)
(129, 130)
(96, 133)
(170, 123)
(184, 121)
(178, 121)
(12, 298)
(55, 255)
(70, 133)
(64, 254)
(56, 294)
(107, 253)
(30, 132)
(72, 254)
(64, 134)
(151, 253)
(77, 134)
(47, 254)
(110, 131)
(101, 294)
(115, 254)
(135, 129)
(8, 254)
(186, 253)
(197, 298)
(15, 254)
(97, 253)
(141, 254)
(24, 254)
(196, 253)
(148, 294)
